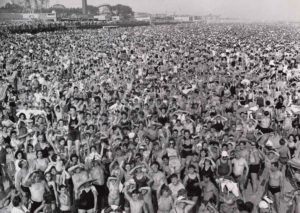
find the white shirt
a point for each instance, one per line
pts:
(17, 210)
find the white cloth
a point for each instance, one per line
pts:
(231, 186)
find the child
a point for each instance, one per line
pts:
(113, 185)
(164, 199)
(64, 200)
(10, 164)
(7, 201)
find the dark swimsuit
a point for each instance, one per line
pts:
(191, 189)
(274, 190)
(187, 150)
(86, 200)
(74, 133)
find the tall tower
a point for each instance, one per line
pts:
(84, 5)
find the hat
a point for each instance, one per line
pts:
(224, 153)
(86, 183)
(75, 167)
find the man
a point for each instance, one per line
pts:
(79, 175)
(136, 205)
(2, 163)
(21, 176)
(240, 170)
(224, 165)
(209, 191)
(275, 187)
(175, 186)
(97, 173)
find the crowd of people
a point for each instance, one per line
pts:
(167, 119)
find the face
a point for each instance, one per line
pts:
(40, 155)
(154, 167)
(174, 180)
(19, 156)
(191, 170)
(48, 177)
(135, 196)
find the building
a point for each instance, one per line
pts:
(47, 17)
(183, 18)
(58, 6)
(115, 18)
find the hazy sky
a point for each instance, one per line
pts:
(250, 9)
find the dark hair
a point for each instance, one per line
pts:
(16, 201)
(276, 164)
(281, 141)
(173, 176)
(62, 186)
(73, 156)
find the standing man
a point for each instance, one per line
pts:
(97, 173)
(240, 170)
(2, 164)
(275, 184)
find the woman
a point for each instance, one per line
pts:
(207, 168)
(186, 148)
(42, 144)
(173, 155)
(74, 132)
(192, 183)
(53, 196)
(87, 197)
(40, 162)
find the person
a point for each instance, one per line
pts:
(37, 187)
(182, 205)
(192, 184)
(209, 191)
(97, 172)
(113, 185)
(164, 199)
(254, 168)
(136, 205)
(74, 133)
(275, 184)
(17, 206)
(64, 200)
(175, 185)
(147, 196)
(240, 170)
(223, 165)
(142, 111)
(86, 197)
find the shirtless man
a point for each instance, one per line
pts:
(78, 177)
(175, 185)
(209, 191)
(97, 173)
(37, 188)
(147, 195)
(21, 176)
(240, 170)
(254, 159)
(275, 186)
(136, 205)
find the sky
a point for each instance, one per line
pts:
(245, 9)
